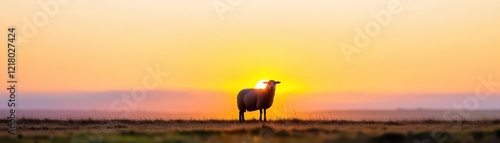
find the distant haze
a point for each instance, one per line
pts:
(186, 101)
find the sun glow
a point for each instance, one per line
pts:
(261, 84)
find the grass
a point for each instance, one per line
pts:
(286, 130)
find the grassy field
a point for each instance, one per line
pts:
(229, 131)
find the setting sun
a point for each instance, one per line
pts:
(261, 84)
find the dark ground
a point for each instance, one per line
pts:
(289, 131)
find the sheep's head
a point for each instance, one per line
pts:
(271, 84)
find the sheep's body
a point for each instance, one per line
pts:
(256, 99)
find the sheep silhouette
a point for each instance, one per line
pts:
(252, 99)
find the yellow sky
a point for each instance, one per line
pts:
(430, 47)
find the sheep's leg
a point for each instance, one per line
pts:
(242, 116)
(260, 117)
(265, 115)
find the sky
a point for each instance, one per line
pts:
(85, 55)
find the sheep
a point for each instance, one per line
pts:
(252, 99)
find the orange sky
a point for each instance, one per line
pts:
(429, 49)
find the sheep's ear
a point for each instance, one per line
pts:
(265, 82)
(278, 82)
